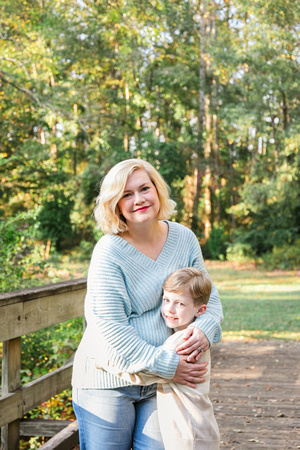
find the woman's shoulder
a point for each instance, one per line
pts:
(107, 247)
(181, 229)
(107, 240)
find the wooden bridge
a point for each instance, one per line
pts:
(255, 386)
(23, 312)
(255, 389)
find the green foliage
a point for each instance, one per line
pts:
(17, 251)
(239, 252)
(54, 217)
(87, 84)
(215, 246)
(286, 257)
(268, 212)
(11, 247)
(84, 251)
(48, 349)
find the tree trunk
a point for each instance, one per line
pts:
(201, 114)
(215, 185)
(157, 128)
(285, 111)
(126, 139)
(207, 177)
(232, 188)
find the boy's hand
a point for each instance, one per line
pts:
(196, 343)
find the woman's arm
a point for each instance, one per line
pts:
(185, 373)
(107, 308)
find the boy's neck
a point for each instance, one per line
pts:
(183, 327)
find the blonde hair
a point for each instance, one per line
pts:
(196, 281)
(107, 213)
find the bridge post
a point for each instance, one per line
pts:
(11, 381)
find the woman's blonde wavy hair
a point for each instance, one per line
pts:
(107, 213)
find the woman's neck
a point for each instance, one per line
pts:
(148, 238)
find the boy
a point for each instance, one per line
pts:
(186, 416)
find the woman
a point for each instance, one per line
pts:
(128, 267)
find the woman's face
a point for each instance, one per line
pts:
(139, 202)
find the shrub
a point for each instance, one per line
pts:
(16, 249)
(215, 246)
(285, 257)
(54, 218)
(240, 252)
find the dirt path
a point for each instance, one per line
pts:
(255, 389)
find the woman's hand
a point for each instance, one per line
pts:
(196, 343)
(190, 374)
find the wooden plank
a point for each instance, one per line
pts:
(65, 440)
(23, 318)
(11, 381)
(45, 387)
(11, 321)
(261, 409)
(10, 436)
(255, 394)
(237, 391)
(17, 404)
(24, 295)
(11, 365)
(42, 427)
(11, 407)
(42, 313)
(270, 439)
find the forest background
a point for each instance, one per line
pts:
(207, 91)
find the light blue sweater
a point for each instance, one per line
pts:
(122, 309)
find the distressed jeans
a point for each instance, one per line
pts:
(118, 419)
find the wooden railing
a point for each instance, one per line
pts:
(23, 312)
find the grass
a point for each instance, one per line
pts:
(258, 304)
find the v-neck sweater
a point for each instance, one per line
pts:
(122, 309)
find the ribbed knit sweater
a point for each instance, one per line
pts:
(122, 309)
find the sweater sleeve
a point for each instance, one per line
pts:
(140, 378)
(210, 321)
(107, 308)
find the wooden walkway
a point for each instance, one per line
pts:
(255, 389)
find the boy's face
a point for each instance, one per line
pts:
(179, 310)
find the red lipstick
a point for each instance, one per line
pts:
(144, 208)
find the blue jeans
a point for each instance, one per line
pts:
(118, 419)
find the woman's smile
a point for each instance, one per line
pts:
(143, 208)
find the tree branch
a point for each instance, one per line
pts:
(5, 78)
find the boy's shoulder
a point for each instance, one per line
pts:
(174, 340)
